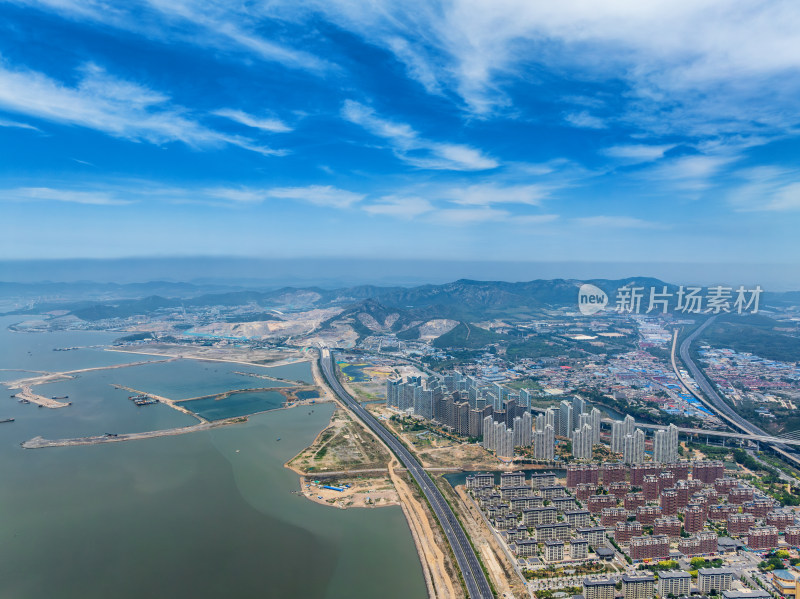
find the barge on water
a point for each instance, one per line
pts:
(143, 400)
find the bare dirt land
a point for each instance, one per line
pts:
(368, 489)
(438, 451)
(342, 446)
(295, 324)
(238, 355)
(374, 388)
(438, 564)
(501, 569)
(26, 394)
(432, 329)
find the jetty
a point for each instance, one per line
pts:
(41, 442)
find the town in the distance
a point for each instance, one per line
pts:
(626, 453)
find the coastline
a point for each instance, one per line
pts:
(438, 568)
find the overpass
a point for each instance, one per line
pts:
(715, 433)
(471, 571)
(718, 405)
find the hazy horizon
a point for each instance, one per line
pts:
(333, 272)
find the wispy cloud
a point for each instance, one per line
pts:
(585, 120)
(694, 173)
(119, 193)
(699, 67)
(618, 222)
(264, 124)
(416, 63)
(414, 149)
(318, 195)
(494, 193)
(47, 194)
(205, 23)
(487, 214)
(766, 189)
(400, 207)
(465, 205)
(696, 67)
(18, 125)
(120, 108)
(635, 153)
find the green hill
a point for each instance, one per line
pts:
(465, 336)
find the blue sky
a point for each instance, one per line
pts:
(477, 130)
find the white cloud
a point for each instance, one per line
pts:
(618, 222)
(116, 193)
(400, 207)
(635, 153)
(201, 22)
(786, 197)
(693, 173)
(466, 216)
(495, 193)
(115, 106)
(319, 195)
(264, 124)
(18, 125)
(487, 214)
(48, 194)
(767, 188)
(410, 147)
(416, 64)
(696, 66)
(585, 120)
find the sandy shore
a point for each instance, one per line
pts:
(26, 393)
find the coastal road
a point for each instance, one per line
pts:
(471, 571)
(714, 401)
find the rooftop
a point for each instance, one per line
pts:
(674, 574)
(597, 583)
(746, 595)
(638, 578)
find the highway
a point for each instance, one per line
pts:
(474, 578)
(716, 403)
(766, 438)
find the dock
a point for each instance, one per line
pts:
(143, 400)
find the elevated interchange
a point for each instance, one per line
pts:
(718, 405)
(471, 571)
(765, 438)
